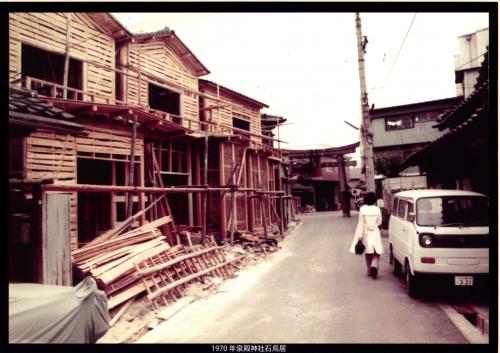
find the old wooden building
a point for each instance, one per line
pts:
(110, 118)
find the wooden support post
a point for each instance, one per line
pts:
(190, 182)
(132, 167)
(205, 195)
(250, 202)
(66, 55)
(343, 187)
(222, 181)
(234, 212)
(197, 181)
(142, 195)
(264, 222)
(277, 217)
(36, 233)
(113, 195)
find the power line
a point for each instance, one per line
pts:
(468, 62)
(399, 51)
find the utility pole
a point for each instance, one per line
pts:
(366, 134)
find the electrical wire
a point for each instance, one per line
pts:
(399, 51)
(468, 62)
(397, 55)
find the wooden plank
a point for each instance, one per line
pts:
(121, 311)
(50, 175)
(56, 253)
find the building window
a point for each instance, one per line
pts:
(164, 99)
(241, 122)
(398, 123)
(426, 116)
(47, 66)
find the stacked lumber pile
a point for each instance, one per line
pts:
(111, 262)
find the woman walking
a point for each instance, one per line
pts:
(370, 218)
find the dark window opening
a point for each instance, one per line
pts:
(165, 100)
(48, 66)
(94, 208)
(241, 123)
(203, 113)
(119, 86)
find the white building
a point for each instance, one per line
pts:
(472, 48)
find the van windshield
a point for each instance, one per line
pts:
(453, 211)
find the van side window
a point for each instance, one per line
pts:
(395, 207)
(410, 210)
(402, 208)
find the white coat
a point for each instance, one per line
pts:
(369, 218)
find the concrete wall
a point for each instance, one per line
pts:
(471, 48)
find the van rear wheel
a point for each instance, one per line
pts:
(411, 282)
(396, 266)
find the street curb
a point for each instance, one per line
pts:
(465, 327)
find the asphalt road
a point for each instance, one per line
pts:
(311, 291)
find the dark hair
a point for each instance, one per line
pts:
(370, 198)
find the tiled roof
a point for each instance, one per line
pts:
(27, 101)
(270, 121)
(27, 109)
(467, 107)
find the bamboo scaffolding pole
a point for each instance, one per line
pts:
(137, 189)
(233, 197)
(66, 55)
(130, 201)
(205, 195)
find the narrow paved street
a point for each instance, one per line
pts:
(311, 291)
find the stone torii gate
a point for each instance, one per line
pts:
(333, 152)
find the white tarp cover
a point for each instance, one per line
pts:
(57, 314)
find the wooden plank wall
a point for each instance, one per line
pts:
(53, 155)
(234, 106)
(158, 59)
(48, 31)
(100, 142)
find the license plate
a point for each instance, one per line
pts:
(464, 281)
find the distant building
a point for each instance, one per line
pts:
(400, 131)
(314, 175)
(472, 48)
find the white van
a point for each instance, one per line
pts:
(440, 234)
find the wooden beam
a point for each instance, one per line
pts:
(83, 110)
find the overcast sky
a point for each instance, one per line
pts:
(305, 65)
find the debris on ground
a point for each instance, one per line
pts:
(193, 277)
